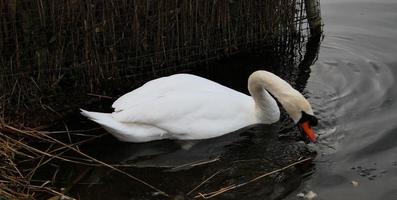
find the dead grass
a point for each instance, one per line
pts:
(22, 158)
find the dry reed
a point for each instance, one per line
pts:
(228, 188)
(16, 147)
(52, 52)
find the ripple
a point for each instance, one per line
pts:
(352, 87)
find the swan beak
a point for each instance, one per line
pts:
(308, 130)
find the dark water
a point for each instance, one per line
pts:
(351, 87)
(237, 157)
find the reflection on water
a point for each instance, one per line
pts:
(352, 87)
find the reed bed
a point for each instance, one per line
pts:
(22, 157)
(56, 56)
(51, 48)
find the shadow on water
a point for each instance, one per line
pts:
(178, 167)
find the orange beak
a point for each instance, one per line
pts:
(307, 128)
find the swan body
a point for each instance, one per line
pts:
(189, 107)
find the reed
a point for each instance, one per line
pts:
(21, 159)
(49, 48)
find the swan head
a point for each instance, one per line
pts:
(305, 125)
(294, 103)
(299, 109)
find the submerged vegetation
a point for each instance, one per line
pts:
(57, 56)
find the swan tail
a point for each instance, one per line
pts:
(127, 132)
(106, 121)
(95, 116)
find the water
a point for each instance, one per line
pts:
(352, 87)
(236, 157)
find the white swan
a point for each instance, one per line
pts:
(188, 107)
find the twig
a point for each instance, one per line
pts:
(234, 186)
(70, 131)
(206, 180)
(79, 142)
(100, 96)
(77, 179)
(196, 163)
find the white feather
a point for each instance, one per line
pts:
(187, 107)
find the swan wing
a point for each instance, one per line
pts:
(192, 115)
(163, 86)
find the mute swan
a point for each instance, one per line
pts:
(189, 107)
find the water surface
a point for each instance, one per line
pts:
(352, 87)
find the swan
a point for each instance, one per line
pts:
(189, 107)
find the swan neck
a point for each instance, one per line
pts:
(266, 106)
(262, 82)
